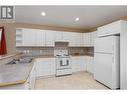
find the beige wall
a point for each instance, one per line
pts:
(35, 26)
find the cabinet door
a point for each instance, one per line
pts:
(79, 39)
(27, 84)
(53, 66)
(93, 37)
(76, 39)
(50, 38)
(40, 38)
(78, 64)
(38, 68)
(29, 37)
(89, 64)
(58, 36)
(87, 39)
(67, 36)
(19, 38)
(110, 29)
(75, 65)
(32, 78)
(45, 66)
(72, 40)
(83, 63)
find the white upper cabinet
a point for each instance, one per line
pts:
(58, 36)
(29, 38)
(33, 37)
(19, 37)
(110, 29)
(67, 36)
(93, 37)
(37, 37)
(78, 39)
(40, 38)
(87, 39)
(74, 39)
(70, 37)
(50, 38)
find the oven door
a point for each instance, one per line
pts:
(63, 63)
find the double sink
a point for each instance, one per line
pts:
(21, 60)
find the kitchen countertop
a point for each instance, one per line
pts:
(82, 55)
(92, 55)
(52, 56)
(6, 56)
(11, 74)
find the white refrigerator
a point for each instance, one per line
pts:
(107, 61)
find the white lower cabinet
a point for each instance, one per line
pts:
(45, 66)
(30, 83)
(78, 63)
(89, 64)
(32, 78)
(82, 63)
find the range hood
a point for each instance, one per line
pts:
(61, 44)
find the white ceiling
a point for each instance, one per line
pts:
(64, 16)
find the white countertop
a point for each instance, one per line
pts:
(14, 73)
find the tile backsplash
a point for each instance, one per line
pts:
(36, 51)
(81, 50)
(49, 51)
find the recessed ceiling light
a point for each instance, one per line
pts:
(43, 13)
(77, 19)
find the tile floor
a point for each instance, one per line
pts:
(79, 81)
